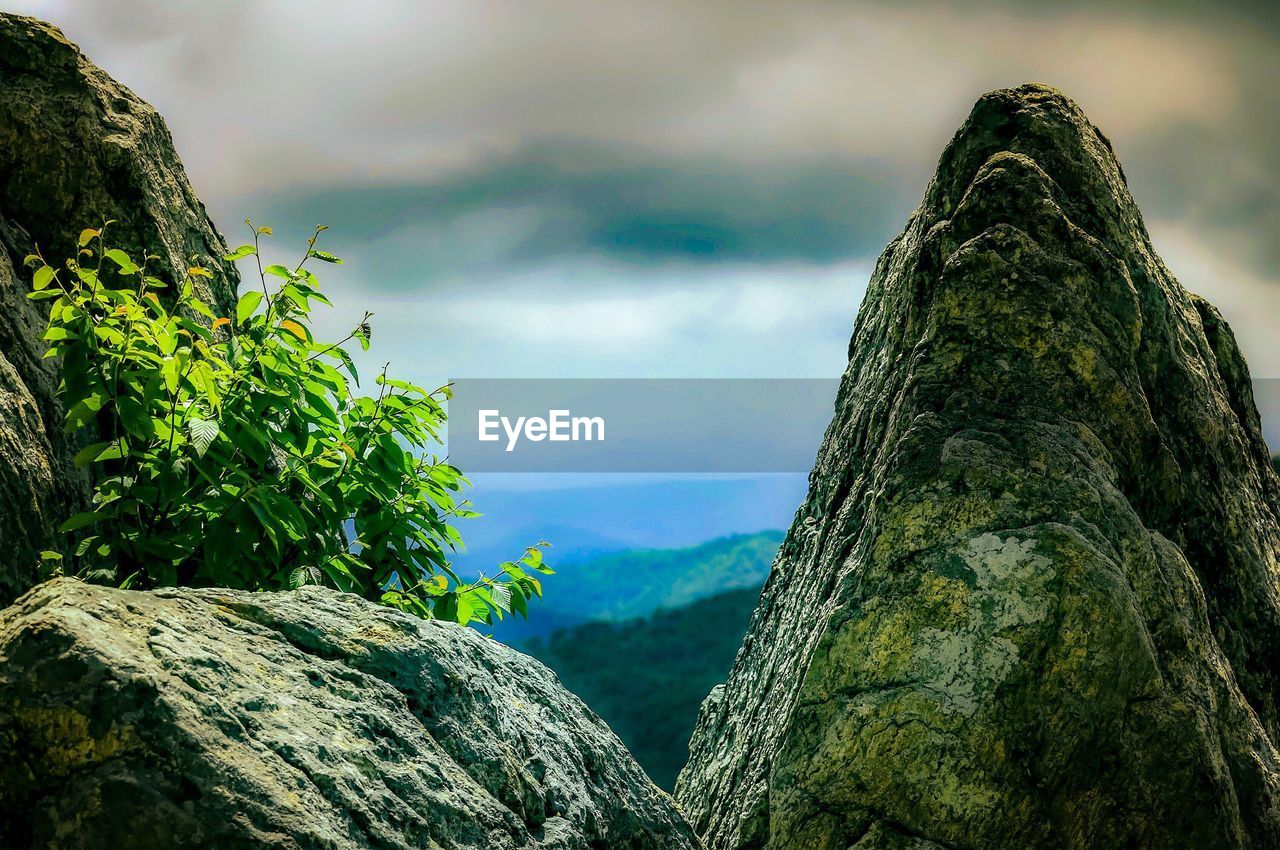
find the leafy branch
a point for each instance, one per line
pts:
(232, 450)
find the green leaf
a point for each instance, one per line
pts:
(116, 450)
(42, 278)
(348, 364)
(325, 256)
(90, 453)
(169, 372)
(57, 334)
(265, 520)
(84, 411)
(202, 308)
(134, 417)
(121, 259)
(362, 334)
(240, 253)
(519, 604)
(483, 595)
(80, 520)
(501, 596)
(304, 574)
(99, 452)
(466, 608)
(247, 304)
(202, 433)
(86, 236)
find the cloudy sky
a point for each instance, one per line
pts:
(658, 188)
(547, 188)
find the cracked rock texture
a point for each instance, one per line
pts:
(76, 148)
(309, 719)
(1033, 597)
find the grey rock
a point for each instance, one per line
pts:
(1033, 596)
(76, 149)
(38, 483)
(310, 719)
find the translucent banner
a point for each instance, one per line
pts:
(661, 425)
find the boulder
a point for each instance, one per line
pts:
(76, 149)
(310, 719)
(1033, 596)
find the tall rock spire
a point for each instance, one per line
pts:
(1033, 596)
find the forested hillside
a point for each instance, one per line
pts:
(646, 677)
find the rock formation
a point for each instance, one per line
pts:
(76, 149)
(310, 719)
(1033, 596)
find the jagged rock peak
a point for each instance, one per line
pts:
(1045, 125)
(1033, 596)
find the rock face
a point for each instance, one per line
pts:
(76, 149)
(1033, 596)
(297, 720)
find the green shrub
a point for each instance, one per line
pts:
(232, 451)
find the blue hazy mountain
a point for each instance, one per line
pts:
(584, 521)
(636, 582)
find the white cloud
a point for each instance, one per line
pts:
(582, 321)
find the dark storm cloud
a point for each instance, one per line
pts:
(562, 201)
(633, 187)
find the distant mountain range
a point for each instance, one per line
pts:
(634, 583)
(583, 520)
(647, 677)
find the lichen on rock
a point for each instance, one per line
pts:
(310, 719)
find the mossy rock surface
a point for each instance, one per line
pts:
(1033, 596)
(298, 721)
